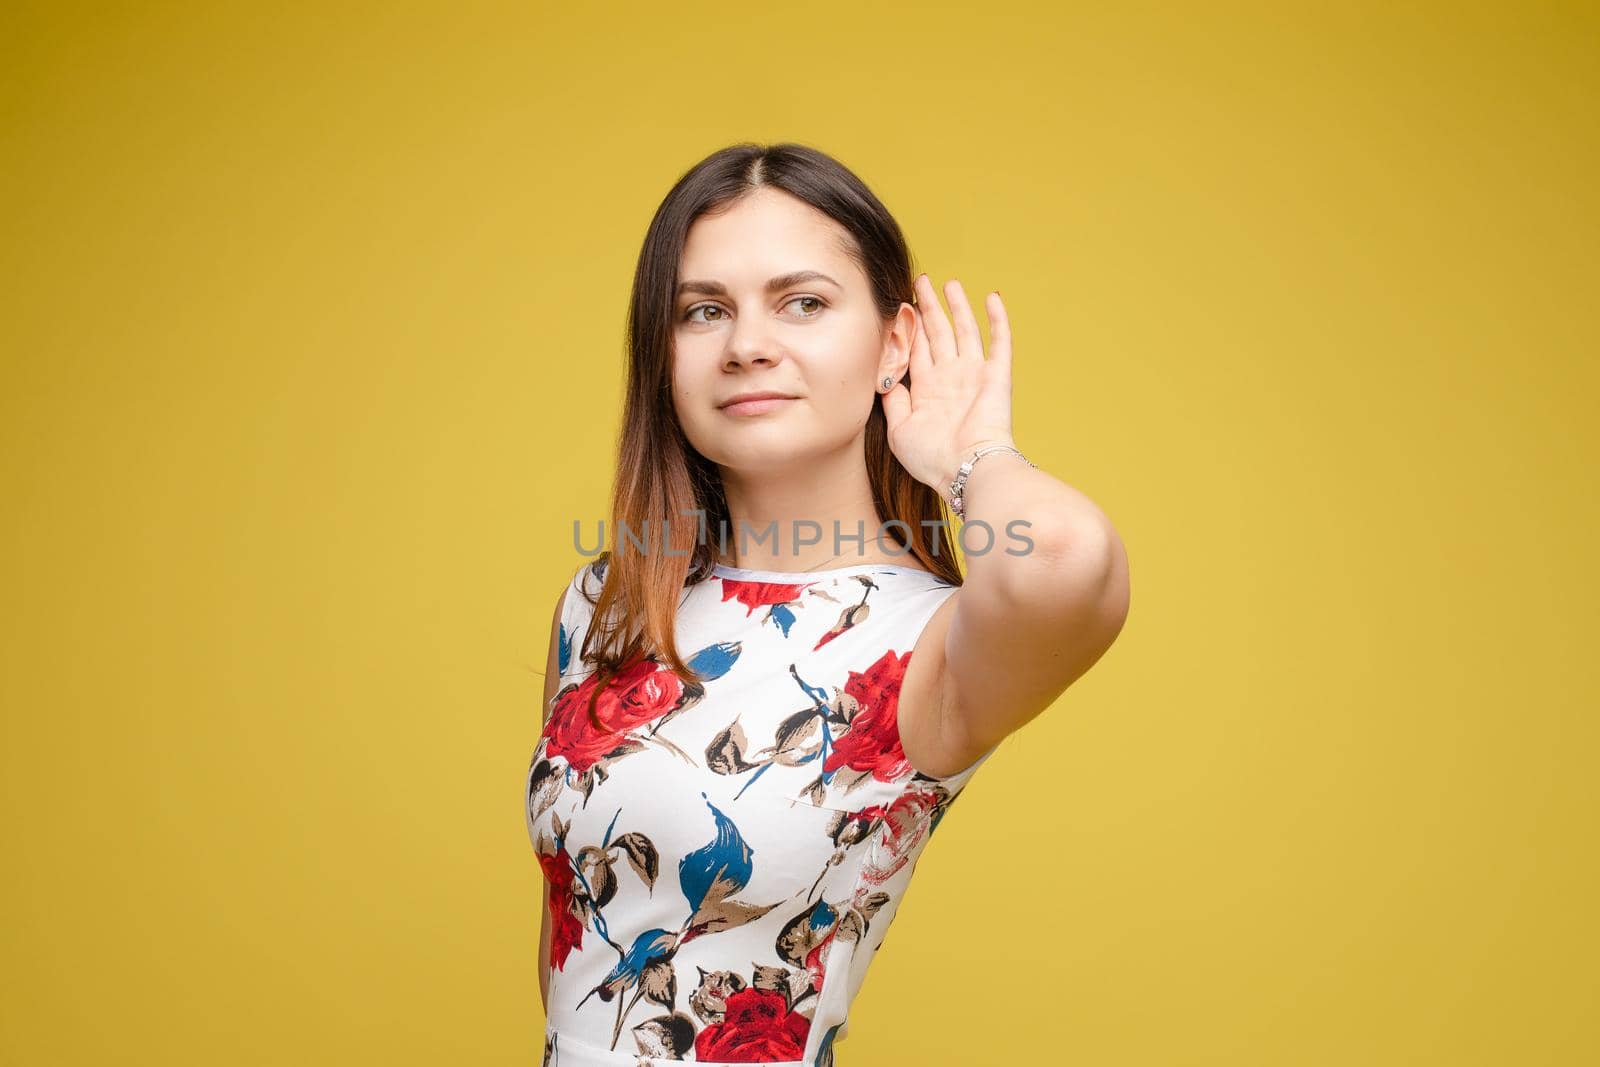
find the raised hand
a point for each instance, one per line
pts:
(958, 399)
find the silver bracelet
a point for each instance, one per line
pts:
(957, 505)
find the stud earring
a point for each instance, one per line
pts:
(888, 383)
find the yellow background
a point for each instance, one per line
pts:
(312, 342)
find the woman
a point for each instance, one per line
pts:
(748, 745)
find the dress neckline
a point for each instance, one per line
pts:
(745, 574)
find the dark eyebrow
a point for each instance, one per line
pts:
(782, 281)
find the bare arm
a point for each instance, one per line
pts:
(1022, 628)
(1028, 626)
(552, 682)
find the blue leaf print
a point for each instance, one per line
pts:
(563, 648)
(647, 947)
(719, 869)
(713, 661)
(823, 916)
(783, 617)
(650, 945)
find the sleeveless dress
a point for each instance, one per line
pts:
(725, 859)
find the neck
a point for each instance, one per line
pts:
(803, 503)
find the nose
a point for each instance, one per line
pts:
(750, 344)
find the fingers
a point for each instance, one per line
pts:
(999, 331)
(969, 343)
(941, 339)
(938, 339)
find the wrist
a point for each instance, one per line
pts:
(953, 462)
(954, 491)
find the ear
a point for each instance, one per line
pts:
(897, 342)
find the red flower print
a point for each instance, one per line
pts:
(907, 822)
(566, 929)
(639, 695)
(757, 1028)
(755, 595)
(872, 743)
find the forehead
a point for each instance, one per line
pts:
(764, 235)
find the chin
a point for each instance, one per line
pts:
(754, 451)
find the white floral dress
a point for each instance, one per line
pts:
(725, 857)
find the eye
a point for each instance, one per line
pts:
(689, 315)
(817, 300)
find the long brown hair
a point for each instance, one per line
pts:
(661, 481)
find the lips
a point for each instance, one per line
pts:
(758, 404)
(744, 398)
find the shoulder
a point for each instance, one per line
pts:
(590, 576)
(579, 595)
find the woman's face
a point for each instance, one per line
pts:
(768, 301)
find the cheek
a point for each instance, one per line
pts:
(840, 400)
(694, 387)
(692, 374)
(850, 355)
(846, 373)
